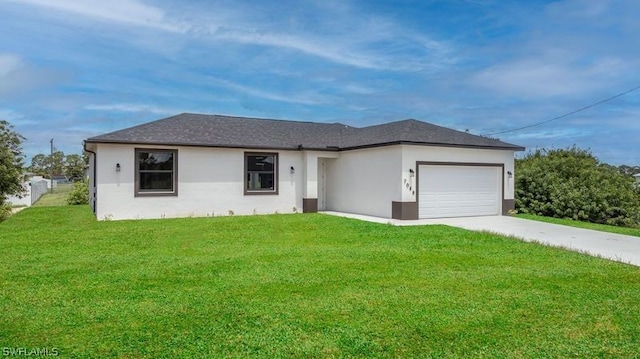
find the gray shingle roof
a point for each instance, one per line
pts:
(189, 129)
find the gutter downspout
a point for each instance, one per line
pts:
(95, 171)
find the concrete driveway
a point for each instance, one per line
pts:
(612, 246)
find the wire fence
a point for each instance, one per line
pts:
(38, 188)
(61, 188)
(39, 192)
(56, 196)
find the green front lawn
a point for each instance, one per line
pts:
(597, 227)
(305, 285)
(57, 198)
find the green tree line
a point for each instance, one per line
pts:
(71, 166)
(11, 166)
(13, 170)
(572, 183)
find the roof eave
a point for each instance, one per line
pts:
(208, 145)
(297, 148)
(433, 144)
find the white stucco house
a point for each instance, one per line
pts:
(204, 165)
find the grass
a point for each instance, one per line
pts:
(309, 285)
(57, 198)
(595, 226)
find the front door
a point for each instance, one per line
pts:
(321, 185)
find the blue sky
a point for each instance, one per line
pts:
(71, 69)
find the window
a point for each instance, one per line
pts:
(156, 172)
(261, 173)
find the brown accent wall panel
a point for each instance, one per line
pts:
(507, 205)
(404, 210)
(309, 205)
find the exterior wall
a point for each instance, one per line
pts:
(24, 199)
(313, 191)
(33, 190)
(412, 154)
(311, 171)
(310, 186)
(373, 181)
(378, 181)
(364, 181)
(210, 182)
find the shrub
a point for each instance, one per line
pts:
(5, 211)
(80, 193)
(572, 183)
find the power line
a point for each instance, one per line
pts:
(565, 115)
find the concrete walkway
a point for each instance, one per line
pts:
(612, 246)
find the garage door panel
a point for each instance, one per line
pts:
(458, 191)
(486, 206)
(453, 212)
(456, 196)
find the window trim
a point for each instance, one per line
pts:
(276, 174)
(137, 192)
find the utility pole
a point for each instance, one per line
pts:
(51, 167)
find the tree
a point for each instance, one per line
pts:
(11, 163)
(74, 166)
(71, 166)
(42, 165)
(39, 165)
(572, 183)
(57, 161)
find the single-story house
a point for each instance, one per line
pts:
(210, 165)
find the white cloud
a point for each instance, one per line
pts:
(332, 31)
(340, 34)
(18, 77)
(357, 89)
(131, 12)
(302, 98)
(368, 46)
(10, 115)
(8, 64)
(315, 47)
(549, 133)
(570, 49)
(132, 107)
(580, 9)
(543, 77)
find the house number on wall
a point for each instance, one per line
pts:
(408, 186)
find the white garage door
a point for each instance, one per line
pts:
(458, 191)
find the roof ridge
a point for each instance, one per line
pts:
(407, 130)
(217, 115)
